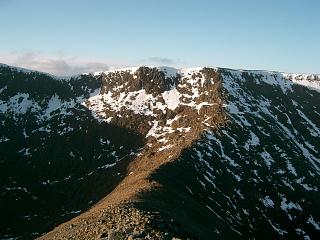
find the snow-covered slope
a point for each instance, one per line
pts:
(259, 176)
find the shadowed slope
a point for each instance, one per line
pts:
(56, 160)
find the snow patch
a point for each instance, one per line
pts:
(171, 98)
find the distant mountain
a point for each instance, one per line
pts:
(159, 153)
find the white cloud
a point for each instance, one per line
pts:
(61, 65)
(159, 60)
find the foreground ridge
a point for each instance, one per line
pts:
(176, 110)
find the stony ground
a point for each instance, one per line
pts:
(120, 222)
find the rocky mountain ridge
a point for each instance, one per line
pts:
(181, 149)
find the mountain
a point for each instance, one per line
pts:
(159, 153)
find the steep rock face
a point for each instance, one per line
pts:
(196, 153)
(152, 80)
(159, 106)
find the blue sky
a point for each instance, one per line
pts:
(71, 36)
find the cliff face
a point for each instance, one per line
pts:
(196, 153)
(169, 109)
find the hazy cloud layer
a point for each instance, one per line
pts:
(159, 60)
(61, 66)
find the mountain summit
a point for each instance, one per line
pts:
(159, 153)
